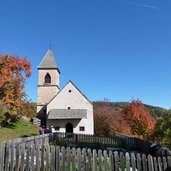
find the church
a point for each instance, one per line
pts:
(67, 109)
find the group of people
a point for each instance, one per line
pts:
(44, 130)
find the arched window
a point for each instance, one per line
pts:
(47, 78)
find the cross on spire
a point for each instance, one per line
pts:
(50, 45)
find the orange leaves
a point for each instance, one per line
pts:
(139, 118)
(13, 72)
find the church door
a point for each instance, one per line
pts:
(69, 128)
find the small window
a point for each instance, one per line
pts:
(69, 91)
(57, 128)
(47, 78)
(69, 108)
(82, 128)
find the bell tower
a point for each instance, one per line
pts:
(48, 83)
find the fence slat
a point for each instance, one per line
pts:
(58, 158)
(144, 162)
(84, 159)
(127, 161)
(100, 159)
(155, 164)
(160, 164)
(22, 156)
(94, 160)
(150, 163)
(37, 156)
(68, 159)
(168, 163)
(73, 158)
(133, 162)
(2, 155)
(164, 163)
(42, 156)
(78, 159)
(52, 158)
(89, 160)
(139, 168)
(7, 155)
(116, 160)
(111, 162)
(105, 160)
(122, 161)
(17, 155)
(12, 156)
(27, 157)
(32, 165)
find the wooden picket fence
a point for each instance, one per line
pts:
(28, 157)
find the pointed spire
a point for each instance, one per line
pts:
(48, 61)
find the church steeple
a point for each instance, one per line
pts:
(48, 62)
(48, 81)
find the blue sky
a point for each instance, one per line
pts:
(115, 49)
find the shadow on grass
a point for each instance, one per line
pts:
(25, 136)
(10, 125)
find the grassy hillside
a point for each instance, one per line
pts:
(20, 129)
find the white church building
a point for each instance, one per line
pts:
(66, 109)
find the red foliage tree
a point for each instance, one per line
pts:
(108, 120)
(14, 71)
(139, 118)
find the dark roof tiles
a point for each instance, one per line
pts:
(67, 113)
(48, 62)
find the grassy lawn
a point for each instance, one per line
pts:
(20, 129)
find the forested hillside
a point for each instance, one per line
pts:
(155, 111)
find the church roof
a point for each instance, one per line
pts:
(48, 62)
(67, 113)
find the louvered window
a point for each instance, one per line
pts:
(48, 78)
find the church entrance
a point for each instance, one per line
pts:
(69, 128)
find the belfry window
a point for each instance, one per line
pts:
(47, 78)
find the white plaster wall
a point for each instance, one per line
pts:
(74, 100)
(62, 123)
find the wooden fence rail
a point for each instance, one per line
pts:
(29, 157)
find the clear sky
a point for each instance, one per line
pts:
(115, 49)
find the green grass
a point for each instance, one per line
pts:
(21, 129)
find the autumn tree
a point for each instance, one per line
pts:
(139, 118)
(13, 71)
(108, 120)
(162, 131)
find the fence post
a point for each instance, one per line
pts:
(139, 162)
(144, 162)
(127, 162)
(2, 155)
(133, 162)
(73, 158)
(100, 159)
(111, 162)
(169, 162)
(89, 160)
(105, 160)
(94, 160)
(122, 161)
(84, 159)
(58, 158)
(150, 163)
